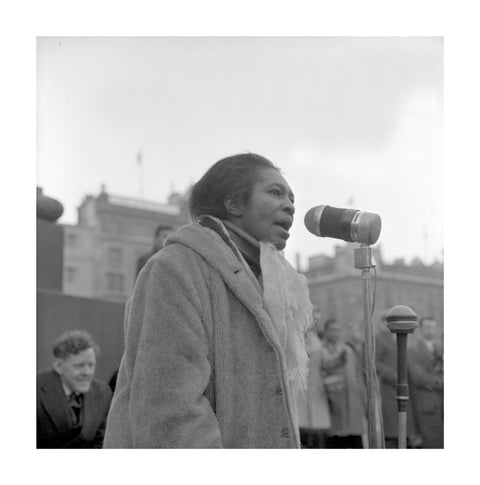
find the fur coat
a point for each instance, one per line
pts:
(203, 366)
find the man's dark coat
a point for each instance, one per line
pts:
(426, 370)
(54, 423)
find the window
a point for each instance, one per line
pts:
(71, 239)
(70, 274)
(114, 256)
(115, 282)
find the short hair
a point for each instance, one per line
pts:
(161, 228)
(233, 177)
(73, 342)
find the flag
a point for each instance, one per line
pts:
(139, 157)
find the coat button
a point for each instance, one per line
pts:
(279, 391)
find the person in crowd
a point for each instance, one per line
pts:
(161, 233)
(425, 359)
(72, 405)
(341, 373)
(353, 335)
(112, 382)
(215, 352)
(386, 367)
(313, 411)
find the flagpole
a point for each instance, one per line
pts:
(140, 167)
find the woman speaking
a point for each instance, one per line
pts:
(214, 330)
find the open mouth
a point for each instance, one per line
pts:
(285, 224)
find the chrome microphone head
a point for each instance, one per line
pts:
(312, 219)
(347, 224)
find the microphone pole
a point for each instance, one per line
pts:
(363, 260)
(352, 225)
(402, 320)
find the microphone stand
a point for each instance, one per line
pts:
(363, 260)
(402, 320)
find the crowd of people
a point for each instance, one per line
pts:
(73, 406)
(221, 350)
(333, 410)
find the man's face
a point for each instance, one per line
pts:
(429, 329)
(268, 213)
(333, 332)
(160, 238)
(77, 371)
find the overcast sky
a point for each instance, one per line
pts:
(344, 118)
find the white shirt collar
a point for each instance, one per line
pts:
(66, 390)
(430, 345)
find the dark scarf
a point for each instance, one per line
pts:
(246, 244)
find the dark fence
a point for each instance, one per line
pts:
(57, 312)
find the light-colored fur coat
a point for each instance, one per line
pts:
(203, 366)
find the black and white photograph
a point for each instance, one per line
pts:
(221, 217)
(239, 244)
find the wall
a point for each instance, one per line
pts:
(49, 255)
(57, 312)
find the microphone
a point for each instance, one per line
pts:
(349, 225)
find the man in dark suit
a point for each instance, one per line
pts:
(72, 405)
(425, 358)
(161, 233)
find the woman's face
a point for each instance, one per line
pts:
(268, 213)
(333, 332)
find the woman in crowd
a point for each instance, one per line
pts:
(313, 411)
(345, 390)
(214, 330)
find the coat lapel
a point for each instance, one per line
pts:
(237, 276)
(54, 401)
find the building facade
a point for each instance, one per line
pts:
(101, 251)
(336, 287)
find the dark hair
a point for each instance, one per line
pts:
(161, 228)
(73, 342)
(423, 319)
(230, 177)
(329, 322)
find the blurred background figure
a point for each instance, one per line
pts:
(341, 373)
(353, 335)
(72, 405)
(161, 233)
(386, 367)
(112, 382)
(313, 411)
(425, 359)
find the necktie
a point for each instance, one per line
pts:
(75, 402)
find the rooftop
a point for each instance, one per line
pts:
(142, 204)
